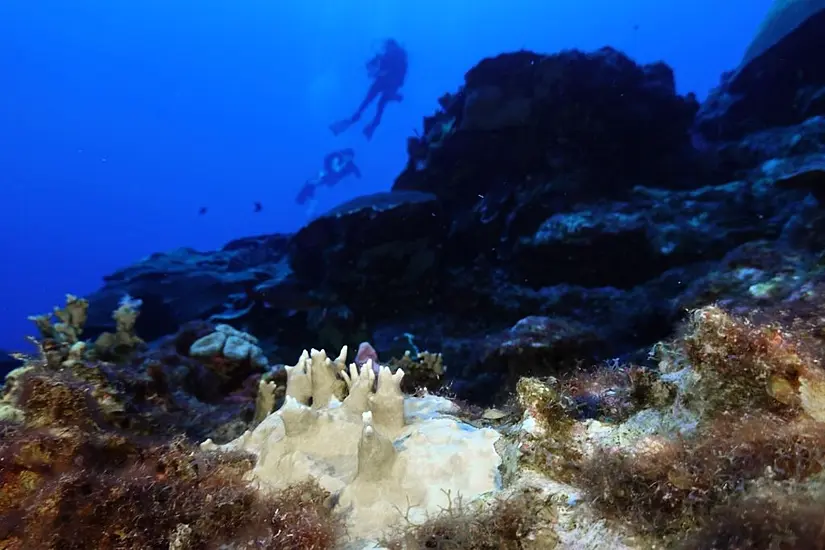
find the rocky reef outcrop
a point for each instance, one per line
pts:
(595, 124)
(720, 445)
(780, 80)
(564, 208)
(766, 119)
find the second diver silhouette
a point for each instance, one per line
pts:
(387, 69)
(337, 166)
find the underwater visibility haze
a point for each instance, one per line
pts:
(119, 121)
(333, 275)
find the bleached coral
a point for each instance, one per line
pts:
(389, 458)
(230, 343)
(124, 340)
(71, 320)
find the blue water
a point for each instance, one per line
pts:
(120, 119)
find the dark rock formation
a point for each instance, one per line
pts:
(598, 119)
(389, 241)
(554, 213)
(184, 285)
(766, 120)
(7, 363)
(781, 81)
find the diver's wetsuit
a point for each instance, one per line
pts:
(337, 166)
(388, 71)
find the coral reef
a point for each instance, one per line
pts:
(744, 428)
(557, 217)
(86, 461)
(556, 211)
(151, 390)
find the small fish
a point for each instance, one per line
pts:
(258, 207)
(202, 211)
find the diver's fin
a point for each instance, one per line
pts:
(340, 126)
(309, 210)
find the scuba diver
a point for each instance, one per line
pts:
(337, 166)
(387, 69)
